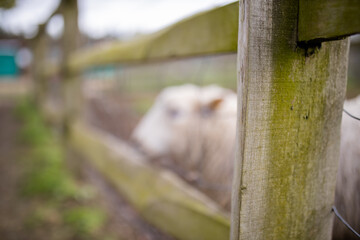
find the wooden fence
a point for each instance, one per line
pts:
(159, 195)
(291, 87)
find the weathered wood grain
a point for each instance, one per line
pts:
(7, 4)
(162, 198)
(39, 46)
(290, 105)
(326, 20)
(71, 85)
(211, 32)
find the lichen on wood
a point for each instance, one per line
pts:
(288, 128)
(210, 32)
(321, 20)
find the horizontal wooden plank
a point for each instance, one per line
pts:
(162, 198)
(328, 19)
(211, 32)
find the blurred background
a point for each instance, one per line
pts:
(76, 202)
(45, 192)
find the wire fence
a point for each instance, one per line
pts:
(334, 209)
(337, 214)
(349, 114)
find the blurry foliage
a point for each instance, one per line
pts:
(84, 221)
(33, 132)
(48, 180)
(46, 174)
(7, 4)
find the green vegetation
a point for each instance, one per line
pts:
(84, 220)
(45, 174)
(63, 206)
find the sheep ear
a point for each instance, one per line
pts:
(214, 104)
(210, 107)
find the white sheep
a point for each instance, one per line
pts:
(347, 197)
(195, 126)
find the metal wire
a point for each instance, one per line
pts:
(351, 115)
(344, 222)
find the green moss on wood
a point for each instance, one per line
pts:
(210, 32)
(6, 4)
(300, 96)
(289, 130)
(329, 19)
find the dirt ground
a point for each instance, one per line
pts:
(15, 209)
(123, 216)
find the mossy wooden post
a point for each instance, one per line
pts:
(290, 106)
(71, 84)
(39, 80)
(7, 4)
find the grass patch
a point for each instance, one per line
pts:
(46, 174)
(84, 220)
(34, 131)
(64, 203)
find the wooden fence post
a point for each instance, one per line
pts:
(290, 106)
(39, 80)
(39, 72)
(71, 84)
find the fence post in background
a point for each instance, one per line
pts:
(290, 106)
(39, 81)
(71, 82)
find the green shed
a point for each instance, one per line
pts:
(8, 65)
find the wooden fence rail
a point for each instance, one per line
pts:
(328, 20)
(161, 197)
(211, 32)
